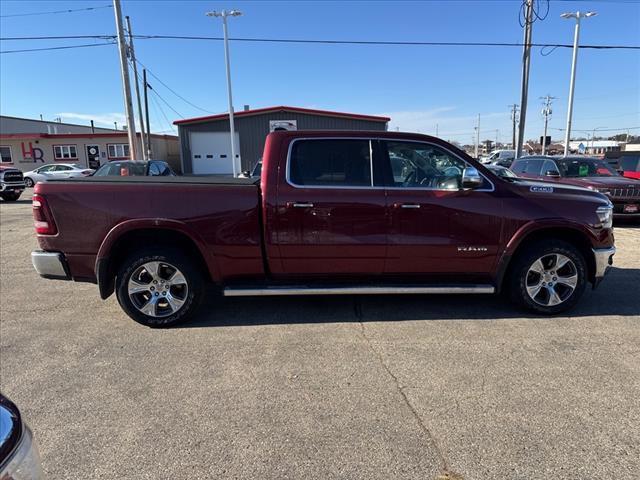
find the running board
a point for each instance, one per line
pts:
(381, 290)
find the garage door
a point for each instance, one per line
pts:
(211, 152)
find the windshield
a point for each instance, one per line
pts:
(587, 167)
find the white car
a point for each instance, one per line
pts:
(55, 171)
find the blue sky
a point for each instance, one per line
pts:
(418, 86)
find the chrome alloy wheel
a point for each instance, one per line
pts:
(158, 289)
(551, 279)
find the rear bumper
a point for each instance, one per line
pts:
(50, 265)
(603, 259)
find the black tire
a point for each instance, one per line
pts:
(28, 182)
(169, 257)
(10, 197)
(521, 276)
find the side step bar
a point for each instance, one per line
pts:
(355, 290)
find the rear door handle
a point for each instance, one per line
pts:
(406, 205)
(300, 205)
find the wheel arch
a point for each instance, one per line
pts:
(130, 235)
(569, 233)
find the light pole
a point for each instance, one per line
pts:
(232, 130)
(593, 136)
(576, 39)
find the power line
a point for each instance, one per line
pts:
(332, 42)
(159, 107)
(157, 94)
(172, 90)
(66, 47)
(55, 12)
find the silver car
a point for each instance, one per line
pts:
(55, 171)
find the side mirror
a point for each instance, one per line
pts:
(471, 178)
(552, 173)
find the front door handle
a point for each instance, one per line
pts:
(300, 205)
(407, 205)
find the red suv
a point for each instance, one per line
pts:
(589, 172)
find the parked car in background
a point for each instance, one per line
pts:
(504, 158)
(11, 184)
(19, 457)
(135, 168)
(335, 212)
(55, 171)
(627, 163)
(503, 172)
(589, 172)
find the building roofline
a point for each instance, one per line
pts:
(53, 122)
(9, 136)
(283, 108)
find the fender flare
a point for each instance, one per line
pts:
(105, 279)
(525, 231)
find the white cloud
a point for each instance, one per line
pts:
(105, 119)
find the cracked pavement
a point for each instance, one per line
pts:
(403, 387)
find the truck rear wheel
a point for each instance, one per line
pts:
(159, 287)
(548, 277)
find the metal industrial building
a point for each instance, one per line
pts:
(205, 146)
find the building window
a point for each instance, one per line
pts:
(5, 155)
(65, 152)
(118, 150)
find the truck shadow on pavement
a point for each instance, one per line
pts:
(617, 295)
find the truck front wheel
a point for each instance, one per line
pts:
(548, 277)
(159, 287)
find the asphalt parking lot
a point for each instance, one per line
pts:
(454, 387)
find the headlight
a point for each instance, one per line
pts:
(605, 215)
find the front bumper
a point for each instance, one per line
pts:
(50, 265)
(603, 259)
(12, 187)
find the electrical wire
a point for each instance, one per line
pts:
(54, 12)
(56, 48)
(171, 89)
(329, 42)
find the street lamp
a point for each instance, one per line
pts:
(593, 137)
(224, 14)
(576, 38)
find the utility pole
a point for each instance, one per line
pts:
(126, 87)
(224, 14)
(132, 54)
(514, 120)
(477, 129)
(574, 61)
(526, 60)
(496, 147)
(436, 129)
(146, 111)
(546, 111)
(115, 125)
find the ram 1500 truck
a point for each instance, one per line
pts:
(333, 212)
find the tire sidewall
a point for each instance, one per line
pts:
(170, 256)
(28, 182)
(518, 284)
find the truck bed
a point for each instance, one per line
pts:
(221, 215)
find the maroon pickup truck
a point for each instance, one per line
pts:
(333, 213)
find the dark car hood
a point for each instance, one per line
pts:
(602, 182)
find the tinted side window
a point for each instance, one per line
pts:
(339, 163)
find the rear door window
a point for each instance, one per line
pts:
(331, 163)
